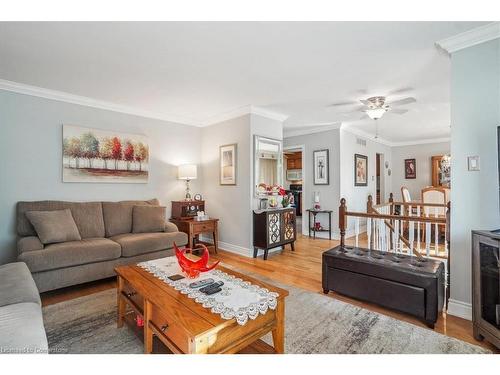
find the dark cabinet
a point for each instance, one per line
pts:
(273, 228)
(486, 286)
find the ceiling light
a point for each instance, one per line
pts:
(375, 113)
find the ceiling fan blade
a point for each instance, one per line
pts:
(342, 104)
(403, 101)
(365, 116)
(402, 90)
(398, 111)
(365, 102)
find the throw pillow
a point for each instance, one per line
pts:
(146, 219)
(54, 226)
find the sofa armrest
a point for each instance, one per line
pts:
(29, 243)
(170, 227)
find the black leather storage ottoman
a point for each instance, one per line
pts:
(415, 288)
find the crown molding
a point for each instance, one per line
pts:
(242, 111)
(386, 142)
(21, 88)
(470, 38)
(310, 129)
(421, 142)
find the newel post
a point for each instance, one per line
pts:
(369, 204)
(342, 221)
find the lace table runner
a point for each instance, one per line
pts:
(238, 299)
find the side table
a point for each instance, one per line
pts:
(312, 213)
(193, 228)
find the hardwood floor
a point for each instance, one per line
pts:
(300, 268)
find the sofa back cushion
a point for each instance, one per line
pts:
(54, 226)
(87, 215)
(148, 219)
(118, 215)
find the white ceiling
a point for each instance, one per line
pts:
(197, 71)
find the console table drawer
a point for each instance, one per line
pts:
(172, 331)
(203, 227)
(134, 297)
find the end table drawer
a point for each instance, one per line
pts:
(203, 227)
(172, 331)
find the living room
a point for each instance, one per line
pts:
(222, 187)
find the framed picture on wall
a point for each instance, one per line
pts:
(321, 167)
(360, 170)
(410, 168)
(227, 162)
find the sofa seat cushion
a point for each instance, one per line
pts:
(73, 253)
(141, 243)
(17, 285)
(21, 329)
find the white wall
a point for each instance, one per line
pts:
(423, 154)
(329, 194)
(475, 115)
(31, 157)
(357, 196)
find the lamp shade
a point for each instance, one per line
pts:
(187, 172)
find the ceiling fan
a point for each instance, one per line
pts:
(377, 106)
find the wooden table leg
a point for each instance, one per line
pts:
(190, 240)
(216, 239)
(148, 333)
(121, 303)
(279, 331)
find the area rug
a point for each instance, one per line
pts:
(314, 324)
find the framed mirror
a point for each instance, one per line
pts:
(268, 164)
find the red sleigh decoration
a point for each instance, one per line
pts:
(190, 267)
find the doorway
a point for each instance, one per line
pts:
(379, 175)
(294, 173)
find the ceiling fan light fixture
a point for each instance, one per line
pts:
(375, 113)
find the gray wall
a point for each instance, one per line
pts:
(329, 194)
(422, 154)
(231, 204)
(31, 157)
(475, 115)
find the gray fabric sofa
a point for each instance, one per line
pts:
(21, 323)
(107, 242)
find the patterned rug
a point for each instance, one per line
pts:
(314, 324)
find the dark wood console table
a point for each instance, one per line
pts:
(272, 228)
(312, 213)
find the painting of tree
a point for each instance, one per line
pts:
(87, 154)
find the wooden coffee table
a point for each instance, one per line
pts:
(185, 326)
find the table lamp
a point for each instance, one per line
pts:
(187, 172)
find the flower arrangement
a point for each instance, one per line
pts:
(286, 199)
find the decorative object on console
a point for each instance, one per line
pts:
(198, 197)
(193, 268)
(185, 210)
(273, 228)
(227, 162)
(410, 169)
(360, 170)
(187, 172)
(321, 167)
(93, 155)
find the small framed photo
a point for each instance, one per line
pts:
(473, 163)
(360, 170)
(410, 169)
(321, 167)
(227, 161)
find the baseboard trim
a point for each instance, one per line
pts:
(239, 250)
(460, 309)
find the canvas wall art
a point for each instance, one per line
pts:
(227, 156)
(93, 155)
(360, 170)
(410, 168)
(321, 167)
